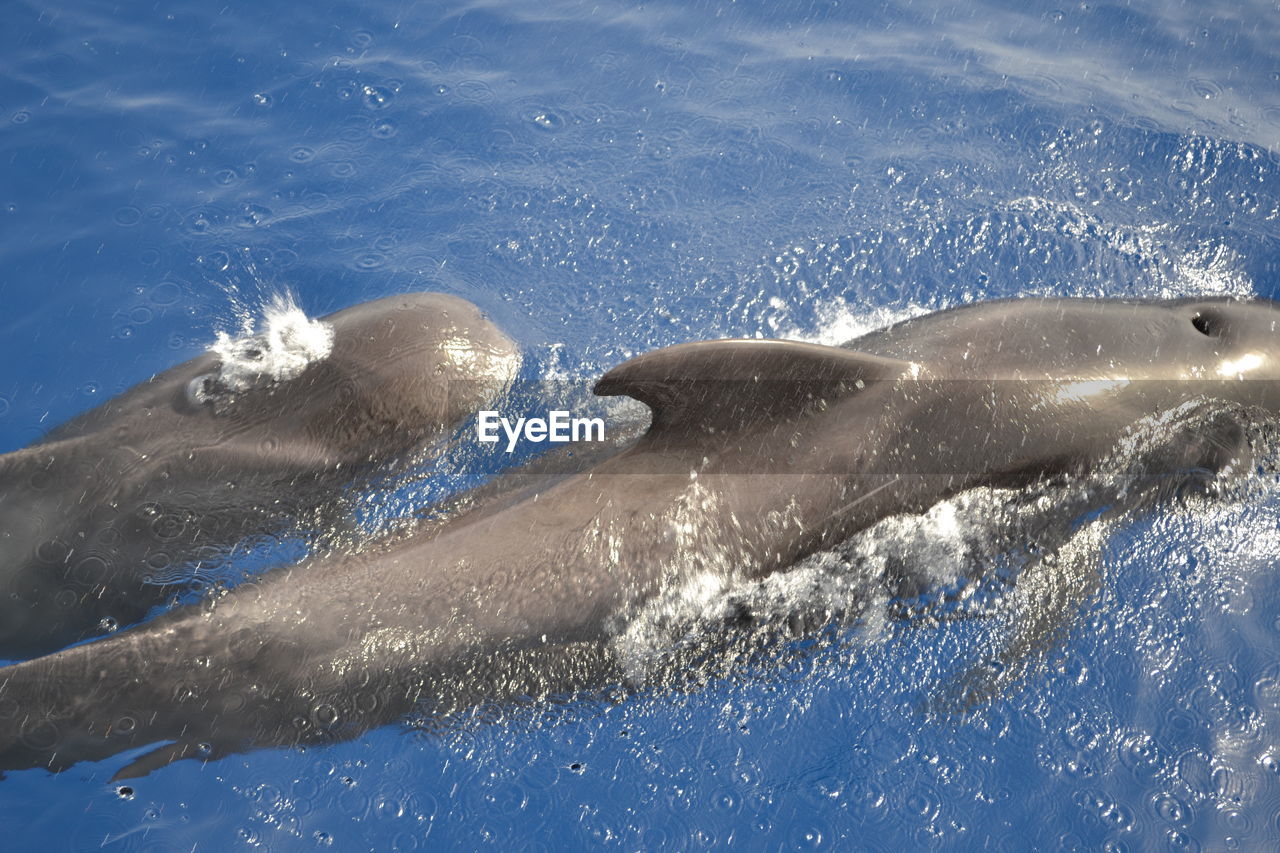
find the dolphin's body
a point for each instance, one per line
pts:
(98, 520)
(759, 453)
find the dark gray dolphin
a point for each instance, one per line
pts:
(98, 520)
(759, 453)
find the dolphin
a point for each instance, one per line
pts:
(759, 453)
(99, 521)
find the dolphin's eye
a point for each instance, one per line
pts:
(1208, 323)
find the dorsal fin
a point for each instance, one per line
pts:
(713, 385)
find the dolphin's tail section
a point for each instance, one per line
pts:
(73, 706)
(36, 543)
(163, 756)
(93, 701)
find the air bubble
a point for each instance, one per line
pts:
(165, 293)
(376, 97)
(253, 215)
(326, 716)
(548, 121)
(127, 217)
(215, 261)
(1204, 89)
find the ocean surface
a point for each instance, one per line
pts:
(604, 178)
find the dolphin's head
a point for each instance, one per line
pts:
(1225, 338)
(410, 365)
(1224, 348)
(1233, 327)
(394, 371)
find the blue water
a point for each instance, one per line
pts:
(604, 178)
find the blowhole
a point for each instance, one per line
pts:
(1207, 323)
(201, 389)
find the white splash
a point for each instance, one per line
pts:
(1164, 268)
(839, 322)
(288, 341)
(956, 556)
